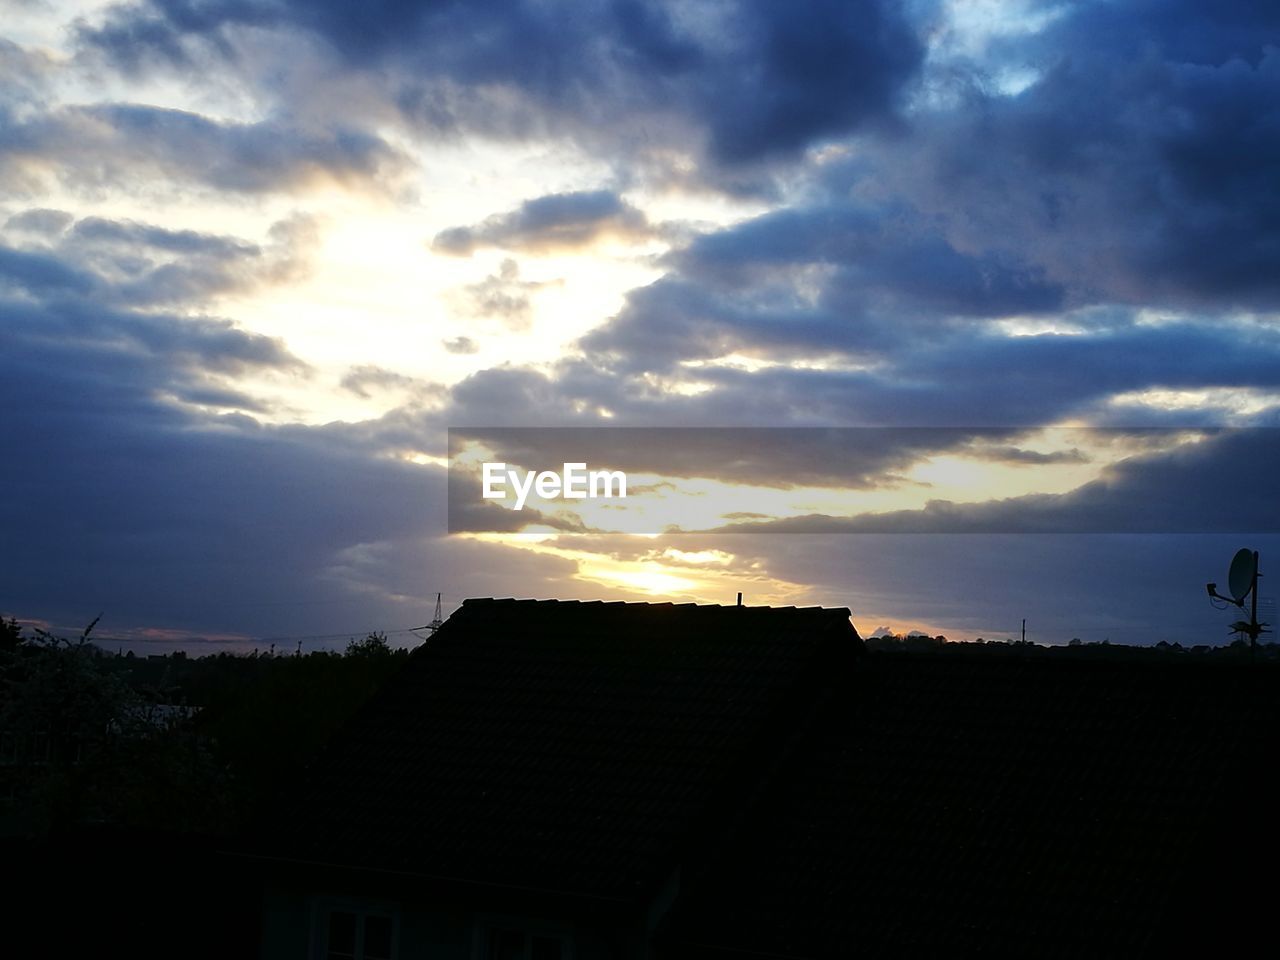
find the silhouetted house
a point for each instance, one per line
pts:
(569, 781)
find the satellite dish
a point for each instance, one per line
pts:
(1240, 579)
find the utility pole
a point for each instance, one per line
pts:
(1254, 629)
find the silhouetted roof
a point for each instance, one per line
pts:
(565, 746)
(944, 806)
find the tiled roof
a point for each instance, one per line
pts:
(946, 806)
(564, 746)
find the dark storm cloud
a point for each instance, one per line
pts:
(148, 349)
(94, 294)
(674, 320)
(218, 398)
(1047, 377)
(126, 263)
(887, 257)
(992, 380)
(1138, 171)
(759, 78)
(677, 319)
(816, 68)
(1138, 168)
(558, 221)
(824, 279)
(188, 242)
(41, 273)
(960, 380)
(155, 516)
(785, 458)
(1220, 484)
(115, 144)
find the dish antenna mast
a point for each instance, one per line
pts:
(1242, 581)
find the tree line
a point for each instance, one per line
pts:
(174, 743)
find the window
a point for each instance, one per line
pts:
(514, 940)
(353, 931)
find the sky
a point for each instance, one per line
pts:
(259, 257)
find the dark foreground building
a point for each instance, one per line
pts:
(570, 781)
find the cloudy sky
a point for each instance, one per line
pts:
(257, 257)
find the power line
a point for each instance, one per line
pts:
(229, 641)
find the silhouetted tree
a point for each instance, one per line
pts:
(88, 748)
(374, 645)
(10, 634)
(268, 717)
